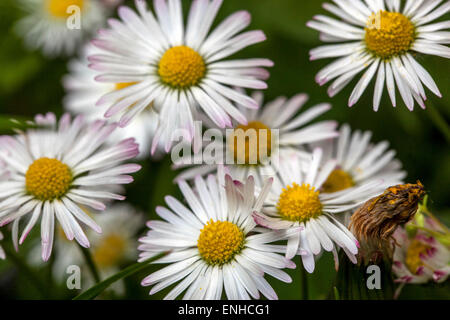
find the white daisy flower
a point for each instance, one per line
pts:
(215, 244)
(359, 161)
(381, 37)
(278, 127)
(178, 68)
(421, 258)
(82, 92)
(296, 200)
(47, 24)
(53, 171)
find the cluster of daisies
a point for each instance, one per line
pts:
(149, 73)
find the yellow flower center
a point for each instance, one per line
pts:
(389, 34)
(181, 67)
(48, 179)
(123, 85)
(413, 260)
(299, 203)
(219, 242)
(338, 180)
(58, 8)
(110, 251)
(251, 143)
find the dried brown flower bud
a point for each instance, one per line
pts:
(376, 220)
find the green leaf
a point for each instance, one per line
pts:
(18, 67)
(94, 291)
(10, 122)
(439, 121)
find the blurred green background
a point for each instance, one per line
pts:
(31, 83)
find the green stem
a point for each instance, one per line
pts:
(90, 263)
(304, 276)
(439, 121)
(26, 270)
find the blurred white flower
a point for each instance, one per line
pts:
(277, 126)
(82, 92)
(358, 161)
(46, 25)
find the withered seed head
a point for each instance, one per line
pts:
(376, 220)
